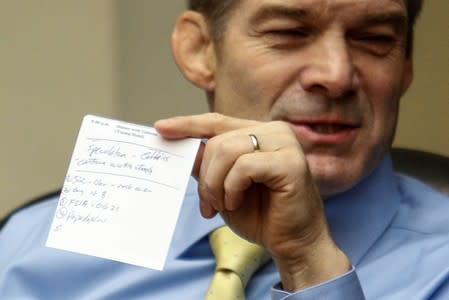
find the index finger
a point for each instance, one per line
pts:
(200, 126)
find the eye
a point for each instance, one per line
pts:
(377, 38)
(287, 38)
(375, 43)
(289, 32)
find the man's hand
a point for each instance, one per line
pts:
(266, 196)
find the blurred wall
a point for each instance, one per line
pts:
(424, 117)
(150, 85)
(60, 60)
(57, 62)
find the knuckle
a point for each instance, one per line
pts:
(278, 164)
(285, 129)
(217, 123)
(205, 190)
(243, 164)
(229, 188)
(212, 144)
(279, 124)
(225, 149)
(282, 126)
(298, 161)
(216, 117)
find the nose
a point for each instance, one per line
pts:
(329, 68)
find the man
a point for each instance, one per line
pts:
(306, 95)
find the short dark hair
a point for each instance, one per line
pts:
(218, 11)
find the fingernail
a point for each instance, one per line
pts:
(206, 210)
(215, 203)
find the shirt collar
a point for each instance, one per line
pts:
(357, 218)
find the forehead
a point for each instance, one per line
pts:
(251, 9)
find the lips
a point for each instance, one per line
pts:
(326, 128)
(329, 132)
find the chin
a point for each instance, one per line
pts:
(335, 175)
(332, 187)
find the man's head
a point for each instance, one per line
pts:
(334, 69)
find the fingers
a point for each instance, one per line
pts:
(219, 157)
(272, 169)
(201, 126)
(230, 165)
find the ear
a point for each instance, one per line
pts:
(193, 49)
(408, 74)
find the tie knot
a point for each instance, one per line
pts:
(235, 254)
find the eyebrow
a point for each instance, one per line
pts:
(397, 19)
(278, 11)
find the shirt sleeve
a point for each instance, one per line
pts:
(344, 287)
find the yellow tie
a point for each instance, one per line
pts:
(237, 260)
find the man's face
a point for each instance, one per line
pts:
(333, 69)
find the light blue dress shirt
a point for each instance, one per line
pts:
(394, 229)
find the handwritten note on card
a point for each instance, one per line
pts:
(123, 192)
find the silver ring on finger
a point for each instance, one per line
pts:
(255, 142)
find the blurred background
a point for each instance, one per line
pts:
(62, 59)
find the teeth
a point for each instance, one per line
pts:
(326, 128)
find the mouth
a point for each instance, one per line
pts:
(329, 132)
(328, 128)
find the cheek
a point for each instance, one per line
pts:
(383, 91)
(249, 87)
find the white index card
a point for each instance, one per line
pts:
(123, 193)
